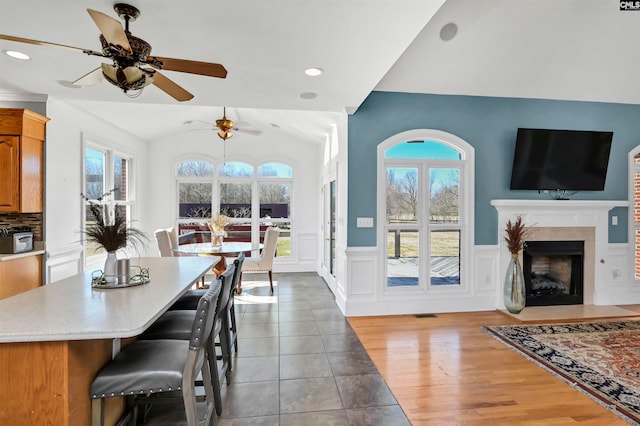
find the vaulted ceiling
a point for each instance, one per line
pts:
(555, 49)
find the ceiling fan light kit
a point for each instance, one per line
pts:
(129, 55)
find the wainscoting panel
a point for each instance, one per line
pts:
(486, 268)
(64, 262)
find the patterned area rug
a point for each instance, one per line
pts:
(602, 359)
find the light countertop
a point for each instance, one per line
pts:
(5, 257)
(70, 309)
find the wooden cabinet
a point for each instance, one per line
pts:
(19, 275)
(22, 136)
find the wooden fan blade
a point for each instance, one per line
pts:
(90, 79)
(48, 44)
(171, 88)
(111, 29)
(191, 67)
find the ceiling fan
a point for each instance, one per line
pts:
(224, 127)
(132, 68)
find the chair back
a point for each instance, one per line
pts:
(164, 242)
(173, 237)
(226, 280)
(270, 243)
(236, 276)
(205, 315)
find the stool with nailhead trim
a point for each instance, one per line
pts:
(147, 367)
(176, 324)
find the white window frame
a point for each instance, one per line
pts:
(254, 180)
(466, 222)
(109, 183)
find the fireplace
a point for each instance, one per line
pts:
(553, 272)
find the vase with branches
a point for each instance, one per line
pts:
(110, 231)
(514, 286)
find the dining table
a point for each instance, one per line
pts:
(225, 250)
(55, 338)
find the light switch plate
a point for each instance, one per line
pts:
(364, 222)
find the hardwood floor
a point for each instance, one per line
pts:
(444, 370)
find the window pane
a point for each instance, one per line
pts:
(94, 162)
(402, 195)
(275, 170)
(445, 257)
(235, 200)
(235, 169)
(275, 200)
(283, 248)
(194, 200)
(444, 202)
(403, 258)
(120, 178)
(422, 149)
(195, 168)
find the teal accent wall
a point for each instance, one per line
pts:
(490, 126)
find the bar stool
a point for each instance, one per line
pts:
(148, 367)
(190, 300)
(175, 325)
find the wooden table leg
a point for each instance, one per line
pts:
(220, 266)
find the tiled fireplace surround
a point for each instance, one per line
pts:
(563, 220)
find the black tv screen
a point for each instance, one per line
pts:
(568, 160)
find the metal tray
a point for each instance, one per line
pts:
(138, 276)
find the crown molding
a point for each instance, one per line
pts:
(23, 97)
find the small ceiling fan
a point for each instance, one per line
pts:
(132, 68)
(224, 127)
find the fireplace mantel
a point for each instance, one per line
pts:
(561, 214)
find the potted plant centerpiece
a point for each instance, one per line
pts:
(109, 230)
(514, 287)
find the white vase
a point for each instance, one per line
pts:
(111, 268)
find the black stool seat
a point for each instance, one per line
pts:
(188, 301)
(145, 367)
(162, 366)
(171, 325)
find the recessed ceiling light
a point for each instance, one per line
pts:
(68, 84)
(313, 72)
(308, 95)
(17, 55)
(448, 32)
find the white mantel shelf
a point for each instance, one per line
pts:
(559, 204)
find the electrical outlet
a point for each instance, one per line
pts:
(614, 220)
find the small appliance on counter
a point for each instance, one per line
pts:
(18, 239)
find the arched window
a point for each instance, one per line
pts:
(424, 218)
(252, 200)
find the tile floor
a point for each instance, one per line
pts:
(298, 363)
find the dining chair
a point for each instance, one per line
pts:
(174, 324)
(146, 370)
(167, 240)
(264, 261)
(164, 242)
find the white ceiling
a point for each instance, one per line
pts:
(554, 49)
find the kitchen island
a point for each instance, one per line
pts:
(54, 339)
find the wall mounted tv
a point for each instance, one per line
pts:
(563, 160)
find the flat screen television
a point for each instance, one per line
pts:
(565, 160)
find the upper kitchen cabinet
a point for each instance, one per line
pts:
(22, 136)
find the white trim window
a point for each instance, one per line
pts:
(252, 197)
(424, 218)
(106, 182)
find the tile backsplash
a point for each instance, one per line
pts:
(33, 220)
